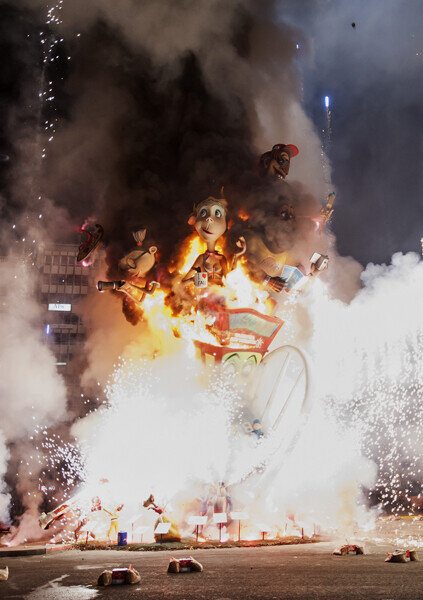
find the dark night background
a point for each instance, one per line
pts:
(373, 74)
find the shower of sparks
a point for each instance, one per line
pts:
(53, 53)
(374, 371)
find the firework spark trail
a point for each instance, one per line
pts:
(371, 363)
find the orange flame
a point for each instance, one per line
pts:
(195, 247)
(238, 291)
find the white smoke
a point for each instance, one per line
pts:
(32, 394)
(377, 336)
(369, 356)
(4, 496)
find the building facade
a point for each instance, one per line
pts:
(63, 285)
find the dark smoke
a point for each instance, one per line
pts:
(148, 131)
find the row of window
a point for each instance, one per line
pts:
(55, 279)
(60, 298)
(65, 357)
(61, 259)
(66, 338)
(59, 318)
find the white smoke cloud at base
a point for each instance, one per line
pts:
(32, 393)
(166, 432)
(369, 356)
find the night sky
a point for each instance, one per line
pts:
(373, 74)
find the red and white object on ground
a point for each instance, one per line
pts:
(184, 565)
(348, 549)
(402, 556)
(119, 576)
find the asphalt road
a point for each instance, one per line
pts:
(280, 572)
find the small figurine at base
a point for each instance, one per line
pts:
(172, 534)
(114, 518)
(257, 428)
(222, 500)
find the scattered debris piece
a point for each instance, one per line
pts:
(121, 576)
(402, 556)
(132, 576)
(348, 549)
(4, 574)
(412, 555)
(105, 578)
(46, 519)
(184, 565)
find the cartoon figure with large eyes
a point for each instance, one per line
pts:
(276, 162)
(210, 222)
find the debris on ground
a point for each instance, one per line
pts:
(348, 549)
(402, 556)
(105, 578)
(184, 565)
(120, 576)
(4, 574)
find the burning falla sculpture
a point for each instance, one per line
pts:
(136, 264)
(276, 162)
(209, 219)
(172, 534)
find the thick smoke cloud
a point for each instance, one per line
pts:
(167, 104)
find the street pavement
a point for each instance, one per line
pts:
(307, 571)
